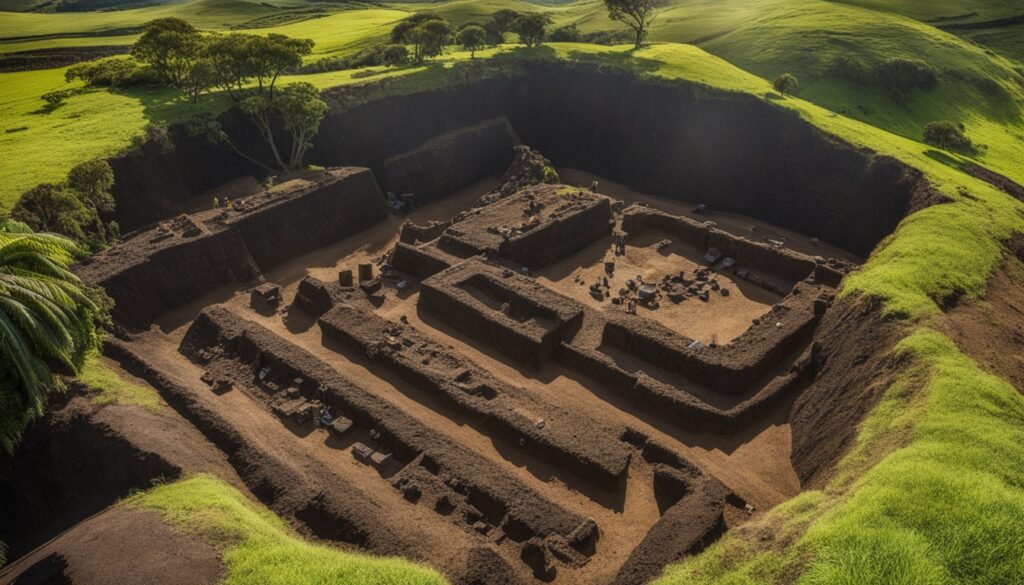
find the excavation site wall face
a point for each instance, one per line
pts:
(731, 151)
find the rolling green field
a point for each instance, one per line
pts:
(932, 491)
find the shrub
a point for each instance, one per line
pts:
(368, 57)
(116, 71)
(897, 77)
(948, 135)
(55, 99)
(566, 34)
(394, 55)
(848, 68)
(786, 83)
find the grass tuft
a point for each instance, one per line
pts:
(109, 387)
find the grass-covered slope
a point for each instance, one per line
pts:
(941, 504)
(259, 548)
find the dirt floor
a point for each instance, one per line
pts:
(106, 548)
(720, 319)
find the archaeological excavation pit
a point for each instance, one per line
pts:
(597, 337)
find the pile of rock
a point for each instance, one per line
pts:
(528, 168)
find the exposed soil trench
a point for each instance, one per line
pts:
(574, 383)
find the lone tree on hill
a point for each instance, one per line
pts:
(48, 322)
(531, 28)
(786, 84)
(471, 38)
(636, 14)
(300, 110)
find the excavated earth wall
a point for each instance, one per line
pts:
(731, 151)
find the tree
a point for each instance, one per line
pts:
(274, 54)
(636, 14)
(52, 208)
(948, 135)
(786, 83)
(394, 55)
(48, 322)
(172, 47)
(472, 38)
(232, 62)
(495, 36)
(504, 18)
(73, 208)
(300, 110)
(430, 38)
(200, 77)
(93, 180)
(499, 24)
(400, 32)
(531, 27)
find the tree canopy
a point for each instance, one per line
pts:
(531, 27)
(194, 62)
(471, 38)
(73, 208)
(300, 110)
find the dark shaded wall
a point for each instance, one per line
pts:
(249, 245)
(734, 152)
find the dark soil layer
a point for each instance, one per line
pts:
(991, 329)
(1002, 182)
(854, 366)
(122, 545)
(69, 466)
(184, 258)
(733, 152)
